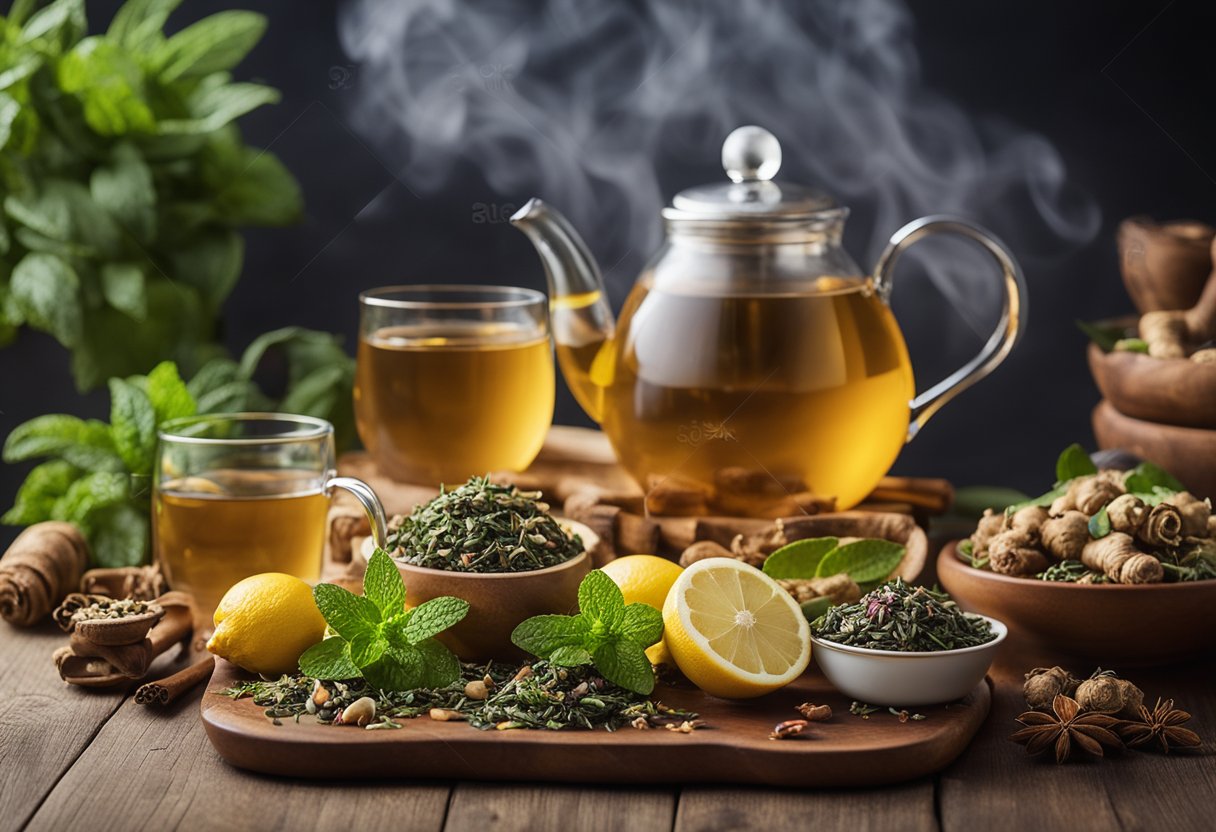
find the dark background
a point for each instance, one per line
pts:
(1123, 91)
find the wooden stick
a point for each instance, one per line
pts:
(166, 690)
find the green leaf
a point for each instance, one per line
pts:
(122, 285)
(329, 660)
(1104, 336)
(53, 20)
(215, 108)
(211, 263)
(168, 393)
(1147, 477)
(600, 599)
(971, 501)
(9, 108)
(541, 635)
(815, 607)
(46, 290)
(125, 189)
(1041, 500)
(212, 44)
(1099, 524)
(36, 498)
(253, 188)
(862, 560)
(799, 559)
(641, 623)
(367, 647)
(1074, 462)
(624, 663)
(433, 617)
(440, 667)
(383, 585)
(133, 423)
(46, 212)
(138, 24)
(85, 444)
(570, 656)
(109, 86)
(1132, 345)
(89, 493)
(319, 393)
(400, 668)
(348, 614)
(118, 536)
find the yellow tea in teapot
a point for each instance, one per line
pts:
(810, 390)
(218, 527)
(438, 403)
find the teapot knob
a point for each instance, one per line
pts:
(751, 154)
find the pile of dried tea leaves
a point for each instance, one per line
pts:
(905, 618)
(483, 527)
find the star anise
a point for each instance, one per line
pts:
(1065, 727)
(1163, 724)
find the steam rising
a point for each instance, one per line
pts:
(606, 109)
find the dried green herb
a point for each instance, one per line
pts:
(484, 527)
(900, 617)
(1072, 571)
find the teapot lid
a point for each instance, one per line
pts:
(751, 157)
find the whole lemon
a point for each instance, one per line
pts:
(645, 579)
(264, 622)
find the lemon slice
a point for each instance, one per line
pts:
(733, 631)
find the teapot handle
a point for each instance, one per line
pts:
(1008, 328)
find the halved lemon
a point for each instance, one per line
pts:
(733, 631)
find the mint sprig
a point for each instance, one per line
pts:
(378, 639)
(606, 632)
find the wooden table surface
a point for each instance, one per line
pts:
(74, 759)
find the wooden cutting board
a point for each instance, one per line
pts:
(846, 751)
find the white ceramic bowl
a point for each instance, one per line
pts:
(889, 677)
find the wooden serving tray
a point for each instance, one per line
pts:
(846, 751)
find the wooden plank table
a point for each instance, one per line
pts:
(72, 759)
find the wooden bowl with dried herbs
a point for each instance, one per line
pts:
(499, 549)
(1115, 566)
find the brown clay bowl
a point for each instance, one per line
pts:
(1187, 453)
(1171, 391)
(1109, 625)
(498, 602)
(1164, 265)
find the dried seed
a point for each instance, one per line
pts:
(789, 728)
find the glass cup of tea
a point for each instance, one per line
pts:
(237, 494)
(453, 381)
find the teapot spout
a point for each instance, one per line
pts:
(580, 317)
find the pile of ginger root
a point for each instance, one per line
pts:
(1028, 541)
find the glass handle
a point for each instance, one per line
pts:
(1008, 328)
(370, 502)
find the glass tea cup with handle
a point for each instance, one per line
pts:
(453, 381)
(239, 494)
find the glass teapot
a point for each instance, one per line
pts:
(753, 358)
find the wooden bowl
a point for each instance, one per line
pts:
(1106, 624)
(498, 602)
(1171, 391)
(1164, 265)
(1187, 453)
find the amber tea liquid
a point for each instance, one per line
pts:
(812, 389)
(438, 403)
(215, 528)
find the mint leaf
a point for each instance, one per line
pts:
(440, 667)
(798, 560)
(367, 647)
(215, 43)
(570, 656)
(118, 535)
(133, 422)
(599, 598)
(85, 444)
(37, 496)
(329, 660)
(92, 491)
(1146, 478)
(125, 189)
(138, 23)
(122, 285)
(1099, 524)
(641, 623)
(383, 585)
(168, 394)
(348, 614)
(400, 668)
(47, 291)
(1074, 462)
(862, 560)
(540, 635)
(433, 617)
(623, 662)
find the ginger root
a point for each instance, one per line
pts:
(840, 589)
(1162, 526)
(1126, 513)
(1165, 332)
(1094, 492)
(1106, 693)
(1044, 684)
(42, 566)
(990, 525)
(1117, 557)
(1195, 513)
(1065, 536)
(1013, 552)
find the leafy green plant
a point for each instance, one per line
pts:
(123, 179)
(606, 632)
(868, 561)
(98, 475)
(378, 639)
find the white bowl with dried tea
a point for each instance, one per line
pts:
(904, 646)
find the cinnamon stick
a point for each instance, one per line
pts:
(40, 568)
(165, 691)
